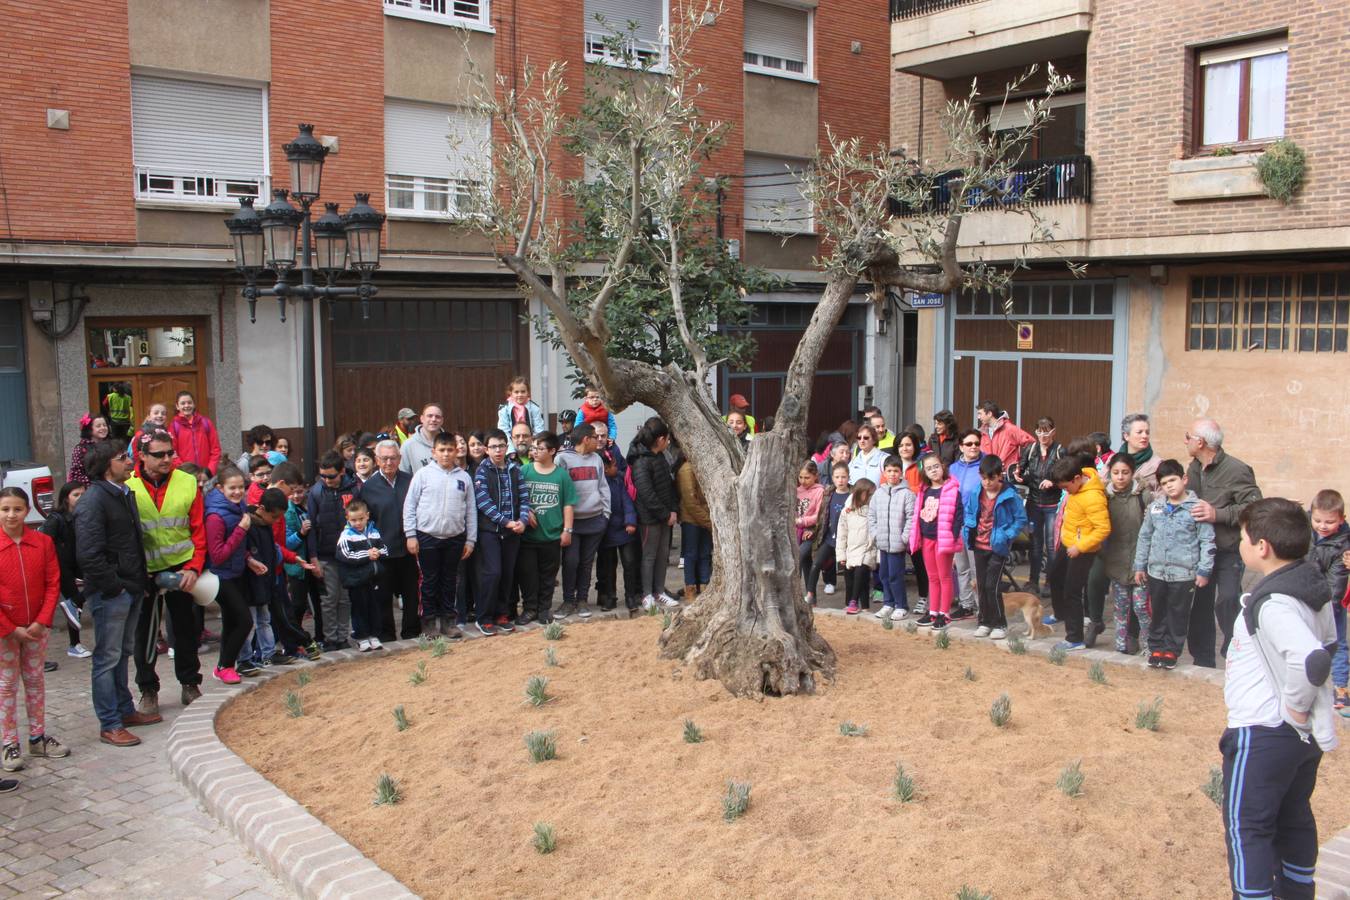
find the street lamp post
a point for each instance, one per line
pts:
(266, 239)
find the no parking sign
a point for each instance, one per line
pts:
(1024, 336)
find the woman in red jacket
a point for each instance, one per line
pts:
(30, 583)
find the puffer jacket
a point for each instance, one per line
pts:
(30, 581)
(950, 518)
(328, 514)
(1010, 519)
(656, 497)
(889, 516)
(1172, 545)
(1325, 553)
(1127, 516)
(195, 441)
(853, 544)
(1087, 523)
(224, 538)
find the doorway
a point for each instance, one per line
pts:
(154, 358)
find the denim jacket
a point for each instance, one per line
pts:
(1172, 545)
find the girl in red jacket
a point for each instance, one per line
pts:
(30, 583)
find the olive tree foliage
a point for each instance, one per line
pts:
(646, 146)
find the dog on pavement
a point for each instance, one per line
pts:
(1029, 605)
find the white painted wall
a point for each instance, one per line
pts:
(269, 365)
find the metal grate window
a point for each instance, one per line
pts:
(1030, 300)
(1307, 313)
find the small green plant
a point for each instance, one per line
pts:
(423, 642)
(1001, 711)
(303, 678)
(550, 657)
(1148, 715)
(400, 719)
(887, 624)
(692, 735)
(1097, 673)
(536, 691)
(542, 745)
(943, 639)
(902, 786)
(665, 621)
(735, 801)
(1070, 781)
(969, 893)
(419, 674)
(849, 729)
(1213, 788)
(544, 840)
(911, 627)
(1225, 151)
(386, 791)
(1017, 646)
(553, 631)
(970, 674)
(652, 610)
(1057, 656)
(294, 707)
(1281, 169)
(439, 647)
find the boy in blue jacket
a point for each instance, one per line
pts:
(994, 516)
(619, 543)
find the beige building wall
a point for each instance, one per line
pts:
(227, 38)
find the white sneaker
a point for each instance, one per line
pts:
(363, 645)
(681, 562)
(668, 601)
(829, 588)
(884, 611)
(170, 653)
(998, 634)
(79, 651)
(375, 644)
(982, 631)
(648, 601)
(899, 614)
(921, 607)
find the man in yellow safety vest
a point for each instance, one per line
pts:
(173, 533)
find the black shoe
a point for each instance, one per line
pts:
(1093, 633)
(1169, 661)
(567, 609)
(49, 665)
(1155, 660)
(960, 613)
(8, 784)
(927, 620)
(545, 618)
(524, 619)
(247, 668)
(284, 659)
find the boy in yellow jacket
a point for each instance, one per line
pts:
(1087, 522)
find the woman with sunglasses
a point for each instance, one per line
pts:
(868, 459)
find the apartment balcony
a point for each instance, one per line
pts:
(946, 39)
(1059, 189)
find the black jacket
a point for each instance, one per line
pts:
(656, 497)
(108, 545)
(386, 509)
(1033, 467)
(60, 527)
(1325, 554)
(327, 509)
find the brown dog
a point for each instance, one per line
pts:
(1029, 605)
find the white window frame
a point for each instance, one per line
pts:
(807, 225)
(809, 74)
(423, 187)
(597, 50)
(425, 11)
(1239, 52)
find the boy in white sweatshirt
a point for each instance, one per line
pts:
(441, 522)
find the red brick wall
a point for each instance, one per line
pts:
(71, 185)
(717, 53)
(854, 87)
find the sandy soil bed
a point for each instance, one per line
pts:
(638, 812)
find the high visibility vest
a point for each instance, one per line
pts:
(119, 407)
(165, 532)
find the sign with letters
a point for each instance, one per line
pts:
(927, 301)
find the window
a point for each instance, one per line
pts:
(606, 19)
(1308, 313)
(777, 39)
(131, 346)
(1042, 299)
(433, 158)
(1063, 134)
(1242, 88)
(773, 195)
(473, 13)
(197, 142)
(425, 331)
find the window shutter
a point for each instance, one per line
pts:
(1233, 52)
(195, 126)
(649, 15)
(770, 182)
(772, 30)
(1014, 114)
(417, 140)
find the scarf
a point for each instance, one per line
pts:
(1139, 458)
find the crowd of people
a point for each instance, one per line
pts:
(473, 531)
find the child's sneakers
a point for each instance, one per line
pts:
(927, 620)
(226, 675)
(313, 651)
(829, 587)
(363, 645)
(1342, 697)
(900, 614)
(1169, 660)
(375, 644)
(885, 611)
(1155, 660)
(11, 758)
(46, 746)
(852, 608)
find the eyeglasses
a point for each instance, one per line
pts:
(1045, 431)
(970, 443)
(496, 446)
(864, 437)
(157, 454)
(122, 457)
(329, 476)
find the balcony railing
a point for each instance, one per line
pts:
(907, 9)
(1038, 182)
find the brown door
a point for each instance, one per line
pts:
(963, 391)
(997, 381)
(1076, 393)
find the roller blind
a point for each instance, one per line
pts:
(770, 182)
(618, 13)
(1233, 52)
(196, 126)
(1014, 115)
(417, 139)
(776, 31)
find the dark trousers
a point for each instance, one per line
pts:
(496, 552)
(891, 571)
(297, 587)
(400, 575)
(1067, 576)
(822, 557)
(1170, 605)
(696, 549)
(438, 561)
(466, 598)
(607, 572)
(183, 634)
(235, 620)
(1094, 593)
(577, 560)
(290, 638)
(366, 607)
(1219, 600)
(858, 585)
(1041, 520)
(1268, 777)
(988, 573)
(920, 574)
(537, 573)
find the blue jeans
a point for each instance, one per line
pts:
(114, 643)
(892, 572)
(1340, 664)
(263, 642)
(696, 548)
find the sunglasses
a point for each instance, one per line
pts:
(970, 443)
(156, 454)
(329, 476)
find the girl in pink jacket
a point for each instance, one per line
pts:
(935, 531)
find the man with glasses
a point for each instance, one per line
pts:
(418, 448)
(327, 507)
(503, 509)
(385, 492)
(998, 434)
(173, 533)
(108, 549)
(1226, 486)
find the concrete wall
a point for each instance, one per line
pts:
(429, 62)
(229, 38)
(780, 116)
(269, 364)
(177, 226)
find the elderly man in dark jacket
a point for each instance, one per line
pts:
(1225, 486)
(385, 492)
(109, 552)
